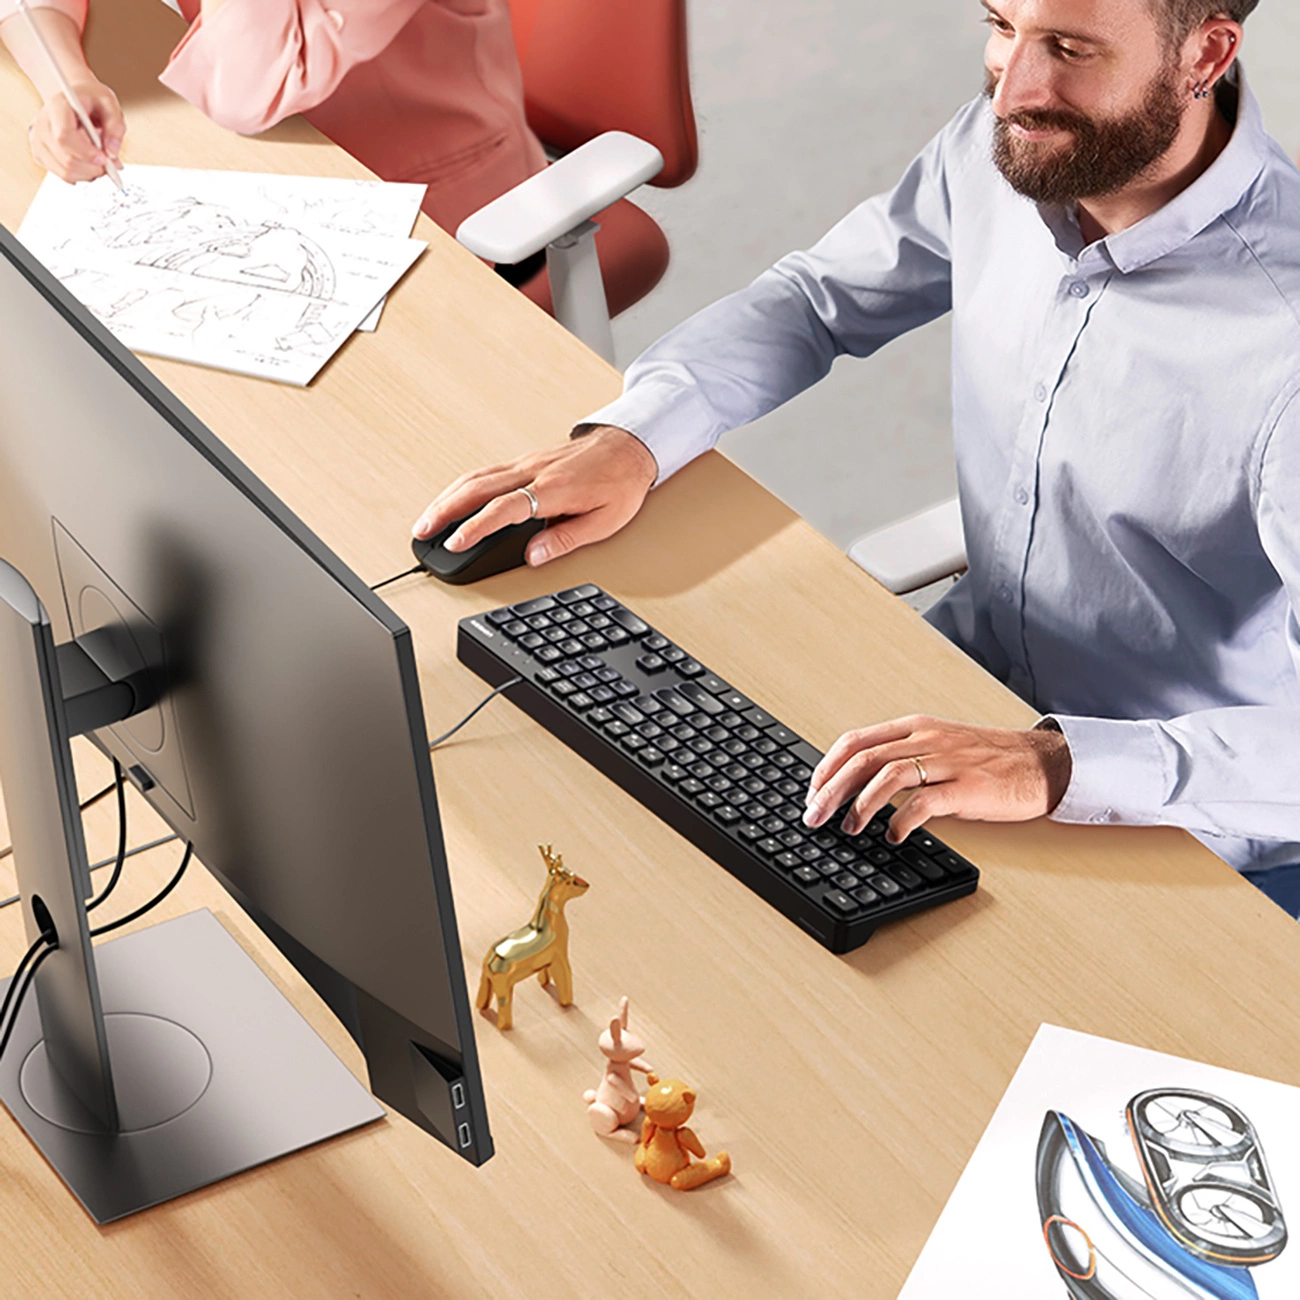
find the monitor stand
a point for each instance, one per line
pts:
(155, 1063)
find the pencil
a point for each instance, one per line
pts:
(71, 95)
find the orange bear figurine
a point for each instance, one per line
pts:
(666, 1146)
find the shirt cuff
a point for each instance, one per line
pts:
(75, 9)
(1119, 771)
(669, 418)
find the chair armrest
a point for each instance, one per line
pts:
(541, 209)
(915, 551)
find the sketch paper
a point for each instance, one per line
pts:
(1110, 1172)
(264, 275)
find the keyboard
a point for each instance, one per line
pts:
(706, 759)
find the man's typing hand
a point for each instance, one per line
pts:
(993, 774)
(588, 488)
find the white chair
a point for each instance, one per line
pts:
(916, 551)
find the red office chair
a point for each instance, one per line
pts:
(592, 67)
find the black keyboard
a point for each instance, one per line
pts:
(707, 760)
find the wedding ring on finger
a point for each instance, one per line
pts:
(532, 500)
(920, 770)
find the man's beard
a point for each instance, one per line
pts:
(1105, 155)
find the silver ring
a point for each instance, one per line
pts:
(532, 501)
(920, 770)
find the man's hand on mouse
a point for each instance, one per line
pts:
(947, 769)
(591, 485)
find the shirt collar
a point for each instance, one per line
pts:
(1216, 191)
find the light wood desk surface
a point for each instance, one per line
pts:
(850, 1091)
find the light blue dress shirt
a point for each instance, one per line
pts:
(1128, 456)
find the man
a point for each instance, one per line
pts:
(1119, 243)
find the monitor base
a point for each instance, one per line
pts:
(214, 1070)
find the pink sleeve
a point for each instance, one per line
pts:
(75, 9)
(254, 62)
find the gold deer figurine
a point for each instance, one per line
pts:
(539, 948)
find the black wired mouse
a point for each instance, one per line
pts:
(496, 553)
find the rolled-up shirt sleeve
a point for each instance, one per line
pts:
(75, 9)
(1219, 772)
(253, 62)
(880, 272)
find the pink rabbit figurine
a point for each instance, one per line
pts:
(616, 1101)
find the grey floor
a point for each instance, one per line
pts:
(804, 110)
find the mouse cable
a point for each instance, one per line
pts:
(107, 862)
(85, 803)
(20, 983)
(483, 703)
(152, 903)
(397, 577)
(120, 858)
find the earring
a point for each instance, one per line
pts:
(1201, 90)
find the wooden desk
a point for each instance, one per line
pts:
(849, 1091)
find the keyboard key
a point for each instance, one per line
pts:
(602, 694)
(583, 681)
(623, 689)
(555, 634)
(558, 616)
(698, 696)
(673, 654)
(539, 621)
(590, 663)
(750, 831)
(655, 642)
(735, 700)
(709, 800)
(765, 746)
(651, 664)
(726, 814)
(953, 864)
(650, 756)
(669, 744)
(884, 886)
(597, 622)
(824, 839)
(679, 705)
(599, 715)
(714, 684)
(769, 846)
(806, 875)
(595, 641)
(811, 853)
(838, 901)
(617, 729)
(791, 788)
(538, 606)
(603, 602)
(585, 592)
(649, 705)
(632, 742)
(516, 629)
(791, 839)
(753, 812)
(548, 654)
(692, 786)
(844, 855)
(807, 754)
(789, 861)
(628, 621)
(757, 718)
(625, 712)
(532, 641)
(780, 735)
(499, 616)
(701, 769)
(905, 877)
(581, 701)
(616, 636)
(564, 688)
(718, 784)
(879, 857)
(921, 864)
(689, 668)
(570, 647)
(673, 773)
(845, 880)
(865, 895)
(547, 675)
(772, 825)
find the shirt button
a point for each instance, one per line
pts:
(1079, 289)
(1040, 392)
(1022, 496)
(1004, 592)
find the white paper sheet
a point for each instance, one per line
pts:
(994, 1241)
(262, 274)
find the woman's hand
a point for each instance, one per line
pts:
(59, 142)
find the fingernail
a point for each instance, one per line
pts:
(850, 826)
(813, 814)
(456, 541)
(539, 553)
(421, 528)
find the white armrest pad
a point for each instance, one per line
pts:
(544, 207)
(916, 551)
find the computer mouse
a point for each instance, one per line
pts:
(494, 553)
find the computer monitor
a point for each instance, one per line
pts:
(278, 728)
